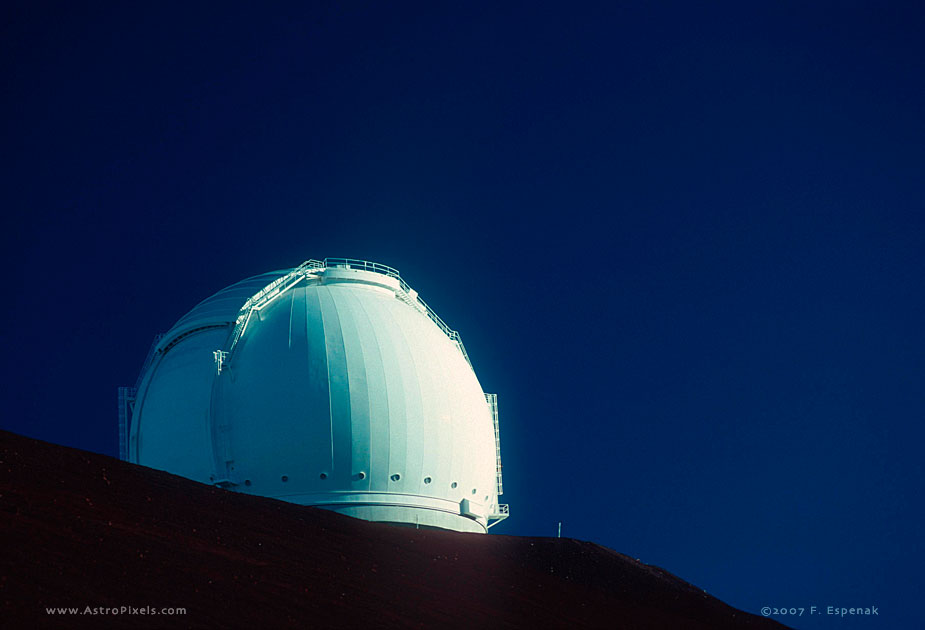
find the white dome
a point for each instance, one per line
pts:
(331, 384)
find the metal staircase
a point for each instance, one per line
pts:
(126, 397)
(268, 294)
(499, 511)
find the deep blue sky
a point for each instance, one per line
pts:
(683, 243)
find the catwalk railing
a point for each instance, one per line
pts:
(281, 284)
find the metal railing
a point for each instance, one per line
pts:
(364, 265)
(266, 295)
(126, 403)
(412, 295)
(281, 284)
(126, 400)
(492, 400)
(499, 512)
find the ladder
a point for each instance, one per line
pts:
(492, 400)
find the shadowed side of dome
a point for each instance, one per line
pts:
(166, 417)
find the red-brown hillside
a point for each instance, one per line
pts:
(81, 529)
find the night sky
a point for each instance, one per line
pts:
(684, 244)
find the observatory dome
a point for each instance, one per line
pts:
(331, 384)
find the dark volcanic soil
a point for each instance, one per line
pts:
(81, 529)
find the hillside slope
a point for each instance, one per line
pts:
(81, 529)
